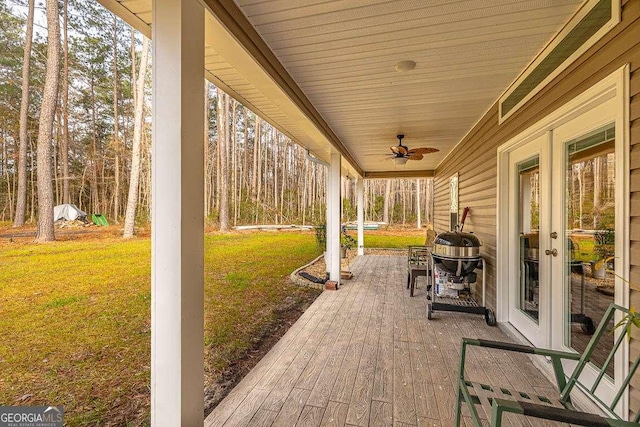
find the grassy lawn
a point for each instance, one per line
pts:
(387, 239)
(75, 314)
(74, 317)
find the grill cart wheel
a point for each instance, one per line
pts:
(587, 326)
(490, 317)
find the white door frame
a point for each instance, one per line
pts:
(536, 331)
(616, 85)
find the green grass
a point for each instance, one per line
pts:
(75, 317)
(584, 248)
(372, 240)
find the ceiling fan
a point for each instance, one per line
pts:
(402, 153)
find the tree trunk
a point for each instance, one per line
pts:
(244, 180)
(580, 195)
(387, 201)
(219, 144)
(64, 146)
(7, 176)
(207, 154)
(95, 198)
(32, 173)
(116, 131)
(132, 199)
(276, 163)
(598, 184)
(223, 141)
(21, 203)
(418, 207)
(45, 230)
(57, 125)
(234, 160)
(256, 148)
(403, 190)
(428, 205)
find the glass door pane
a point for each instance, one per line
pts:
(590, 238)
(528, 301)
(529, 219)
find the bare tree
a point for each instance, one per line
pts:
(387, 201)
(418, 210)
(223, 143)
(45, 232)
(64, 146)
(116, 130)
(132, 200)
(208, 170)
(21, 203)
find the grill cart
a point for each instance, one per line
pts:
(454, 259)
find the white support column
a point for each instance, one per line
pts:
(328, 236)
(177, 265)
(333, 218)
(360, 190)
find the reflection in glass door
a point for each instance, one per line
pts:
(529, 221)
(589, 214)
(585, 212)
(528, 177)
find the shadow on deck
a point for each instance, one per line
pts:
(366, 355)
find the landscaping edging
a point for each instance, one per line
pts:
(306, 283)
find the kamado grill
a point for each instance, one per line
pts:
(454, 258)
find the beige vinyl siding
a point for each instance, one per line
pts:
(475, 158)
(634, 207)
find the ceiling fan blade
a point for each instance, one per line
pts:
(394, 149)
(416, 156)
(423, 150)
(402, 150)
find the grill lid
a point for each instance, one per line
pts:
(457, 239)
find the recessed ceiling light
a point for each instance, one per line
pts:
(403, 66)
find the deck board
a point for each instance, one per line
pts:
(366, 355)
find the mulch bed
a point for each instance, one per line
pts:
(318, 268)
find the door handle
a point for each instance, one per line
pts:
(553, 252)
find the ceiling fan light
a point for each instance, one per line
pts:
(400, 160)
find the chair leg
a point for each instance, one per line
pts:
(458, 407)
(496, 415)
(413, 285)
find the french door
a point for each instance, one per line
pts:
(529, 191)
(562, 228)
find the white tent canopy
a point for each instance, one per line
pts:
(68, 212)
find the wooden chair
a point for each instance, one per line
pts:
(558, 407)
(418, 261)
(417, 265)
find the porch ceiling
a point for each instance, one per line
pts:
(322, 71)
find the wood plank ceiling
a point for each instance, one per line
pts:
(341, 55)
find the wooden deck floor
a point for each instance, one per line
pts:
(366, 355)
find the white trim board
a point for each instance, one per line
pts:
(586, 8)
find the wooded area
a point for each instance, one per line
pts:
(75, 126)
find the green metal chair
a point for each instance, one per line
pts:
(557, 407)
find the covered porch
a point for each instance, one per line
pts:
(342, 79)
(367, 355)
